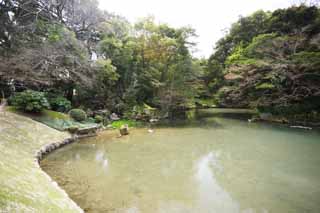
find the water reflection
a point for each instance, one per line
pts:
(213, 198)
(235, 167)
(211, 194)
(102, 160)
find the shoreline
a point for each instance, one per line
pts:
(48, 149)
(24, 186)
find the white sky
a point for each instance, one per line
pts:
(208, 17)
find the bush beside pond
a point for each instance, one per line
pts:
(98, 119)
(78, 114)
(60, 104)
(30, 101)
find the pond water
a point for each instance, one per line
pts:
(212, 164)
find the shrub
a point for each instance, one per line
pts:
(73, 129)
(236, 55)
(265, 86)
(307, 58)
(98, 118)
(30, 101)
(78, 114)
(130, 123)
(60, 104)
(90, 120)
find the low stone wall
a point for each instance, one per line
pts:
(24, 186)
(47, 149)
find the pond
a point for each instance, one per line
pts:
(212, 164)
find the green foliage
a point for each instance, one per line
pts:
(307, 58)
(98, 119)
(278, 63)
(60, 104)
(293, 19)
(265, 86)
(206, 102)
(142, 112)
(223, 91)
(111, 47)
(283, 22)
(78, 114)
(255, 50)
(259, 42)
(237, 55)
(108, 73)
(118, 124)
(55, 115)
(55, 32)
(59, 121)
(290, 109)
(241, 33)
(152, 63)
(30, 101)
(153, 66)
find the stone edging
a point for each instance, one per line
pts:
(45, 150)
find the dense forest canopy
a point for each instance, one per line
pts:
(70, 45)
(270, 61)
(98, 60)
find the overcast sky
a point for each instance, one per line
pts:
(208, 17)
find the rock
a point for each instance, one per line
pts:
(154, 120)
(114, 117)
(124, 129)
(90, 113)
(253, 119)
(87, 131)
(302, 127)
(73, 129)
(165, 116)
(103, 112)
(265, 116)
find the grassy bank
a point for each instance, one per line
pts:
(55, 120)
(24, 187)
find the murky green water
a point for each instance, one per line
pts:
(215, 165)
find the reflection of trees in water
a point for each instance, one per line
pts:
(206, 118)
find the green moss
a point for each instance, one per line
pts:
(265, 86)
(131, 123)
(55, 115)
(11, 109)
(56, 120)
(23, 186)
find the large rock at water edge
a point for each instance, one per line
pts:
(114, 117)
(124, 129)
